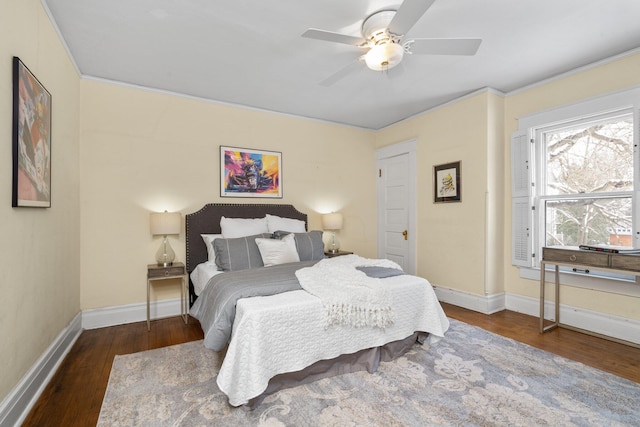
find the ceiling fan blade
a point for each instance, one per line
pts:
(340, 74)
(408, 14)
(330, 36)
(444, 46)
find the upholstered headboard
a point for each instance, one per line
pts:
(207, 221)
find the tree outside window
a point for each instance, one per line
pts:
(588, 182)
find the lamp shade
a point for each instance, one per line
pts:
(384, 56)
(332, 221)
(164, 223)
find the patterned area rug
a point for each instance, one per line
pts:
(471, 377)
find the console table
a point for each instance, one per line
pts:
(574, 257)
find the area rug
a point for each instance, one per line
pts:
(470, 378)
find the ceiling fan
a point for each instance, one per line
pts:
(383, 37)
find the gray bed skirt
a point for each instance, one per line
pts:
(363, 360)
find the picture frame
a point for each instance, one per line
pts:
(31, 138)
(246, 172)
(447, 183)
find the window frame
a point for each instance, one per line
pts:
(530, 127)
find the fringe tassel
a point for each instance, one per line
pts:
(357, 316)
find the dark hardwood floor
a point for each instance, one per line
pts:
(74, 395)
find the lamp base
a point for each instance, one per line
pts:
(165, 254)
(333, 251)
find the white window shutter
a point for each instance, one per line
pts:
(521, 213)
(521, 232)
(520, 164)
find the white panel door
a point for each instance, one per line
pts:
(396, 232)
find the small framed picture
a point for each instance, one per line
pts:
(250, 173)
(31, 139)
(446, 183)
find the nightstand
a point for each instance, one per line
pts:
(174, 271)
(339, 253)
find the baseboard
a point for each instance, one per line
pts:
(607, 325)
(604, 324)
(484, 304)
(16, 406)
(130, 313)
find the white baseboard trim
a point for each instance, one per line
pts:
(588, 320)
(484, 304)
(16, 406)
(605, 324)
(130, 313)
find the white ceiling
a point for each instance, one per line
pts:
(251, 53)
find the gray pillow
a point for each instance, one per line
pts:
(240, 253)
(309, 245)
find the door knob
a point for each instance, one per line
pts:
(405, 233)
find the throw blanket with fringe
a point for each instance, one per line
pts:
(348, 295)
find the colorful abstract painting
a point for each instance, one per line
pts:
(31, 139)
(250, 173)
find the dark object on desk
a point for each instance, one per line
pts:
(610, 249)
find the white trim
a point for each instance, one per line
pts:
(588, 320)
(605, 324)
(487, 304)
(486, 89)
(575, 71)
(410, 148)
(54, 24)
(595, 105)
(222, 103)
(18, 403)
(130, 313)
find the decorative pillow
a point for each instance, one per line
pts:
(274, 251)
(241, 227)
(291, 225)
(309, 245)
(240, 253)
(208, 242)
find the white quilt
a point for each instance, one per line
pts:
(349, 296)
(286, 332)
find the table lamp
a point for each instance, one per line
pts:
(163, 224)
(333, 223)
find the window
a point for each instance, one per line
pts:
(575, 177)
(585, 181)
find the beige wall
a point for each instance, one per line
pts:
(39, 273)
(614, 76)
(453, 235)
(144, 151)
(467, 246)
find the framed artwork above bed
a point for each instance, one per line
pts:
(247, 172)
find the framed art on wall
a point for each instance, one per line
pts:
(31, 139)
(246, 172)
(446, 183)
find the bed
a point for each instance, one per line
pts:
(277, 333)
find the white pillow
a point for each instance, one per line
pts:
(276, 223)
(274, 251)
(241, 227)
(208, 241)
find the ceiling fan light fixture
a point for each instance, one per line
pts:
(384, 56)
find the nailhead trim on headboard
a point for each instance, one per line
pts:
(207, 221)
